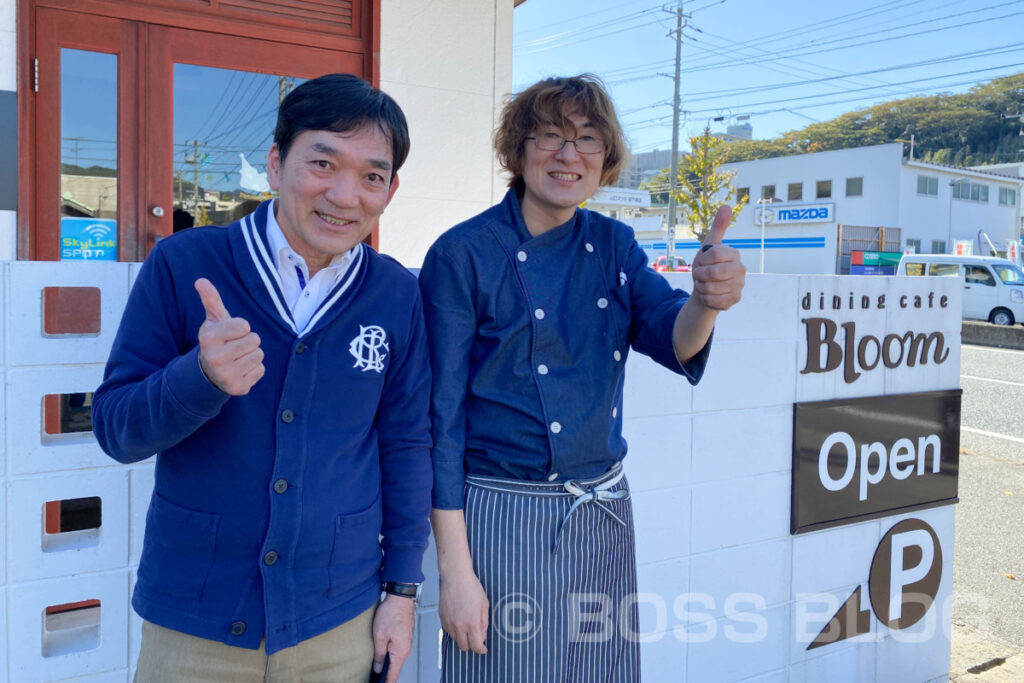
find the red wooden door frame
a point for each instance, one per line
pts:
(147, 39)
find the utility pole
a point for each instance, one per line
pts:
(673, 181)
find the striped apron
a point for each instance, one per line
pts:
(558, 564)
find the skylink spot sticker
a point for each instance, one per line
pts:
(902, 585)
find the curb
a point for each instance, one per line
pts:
(987, 334)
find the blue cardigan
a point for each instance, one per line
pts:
(267, 508)
(528, 340)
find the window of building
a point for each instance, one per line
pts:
(795, 192)
(767, 192)
(938, 246)
(967, 191)
(742, 192)
(1007, 197)
(854, 187)
(823, 189)
(928, 185)
(914, 245)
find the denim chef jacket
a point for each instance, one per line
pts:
(274, 515)
(528, 342)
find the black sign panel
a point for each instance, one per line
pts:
(862, 458)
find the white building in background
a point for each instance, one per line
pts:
(821, 206)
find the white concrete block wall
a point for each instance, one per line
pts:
(725, 592)
(40, 570)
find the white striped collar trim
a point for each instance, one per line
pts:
(266, 266)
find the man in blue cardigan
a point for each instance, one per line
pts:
(278, 368)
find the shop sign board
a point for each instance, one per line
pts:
(863, 458)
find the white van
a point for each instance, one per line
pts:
(993, 287)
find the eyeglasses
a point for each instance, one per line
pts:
(586, 144)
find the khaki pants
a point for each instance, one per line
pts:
(341, 655)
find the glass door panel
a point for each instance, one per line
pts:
(223, 127)
(88, 155)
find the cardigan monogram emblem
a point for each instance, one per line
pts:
(369, 348)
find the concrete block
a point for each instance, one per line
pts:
(659, 452)
(121, 676)
(431, 593)
(738, 646)
(812, 612)
(919, 653)
(987, 334)
(777, 676)
(766, 371)
(30, 449)
(663, 658)
(134, 628)
(141, 492)
(844, 664)
(427, 650)
(768, 309)
(652, 391)
(4, 551)
(825, 560)
(4, 672)
(662, 519)
(659, 586)
(735, 444)
(736, 512)
(743, 579)
(24, 335)
(71, 553)
(26, 605)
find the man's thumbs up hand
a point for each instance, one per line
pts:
(229, 352)
(718, 273)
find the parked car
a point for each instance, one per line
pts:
(661, 265)
(993, 287)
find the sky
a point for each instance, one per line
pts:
(783, 63)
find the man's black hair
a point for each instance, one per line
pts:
(341, 103)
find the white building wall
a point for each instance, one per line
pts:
(451, 98)
(937, 217)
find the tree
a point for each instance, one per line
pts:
(702, 186)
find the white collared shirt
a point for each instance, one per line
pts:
(302, 293)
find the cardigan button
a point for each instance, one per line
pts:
(556, 427)
(602, 303)
(521, 256)
(615, 412)
(553, 476)
(301, 347)
(280, 486)
(238, 628)
(539, 314)
(617, 356)
(287, 416)
(542, 369)
(590, 247)
(270, 558)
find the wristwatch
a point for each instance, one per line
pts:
(406, 590)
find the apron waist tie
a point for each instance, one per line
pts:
(594, 494)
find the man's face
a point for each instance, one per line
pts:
(557, 182)
(332, 189)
